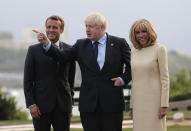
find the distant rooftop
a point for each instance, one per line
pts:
(5, 35)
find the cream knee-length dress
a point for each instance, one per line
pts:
(150, 87)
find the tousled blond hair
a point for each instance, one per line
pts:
(97, 19)
(143, 24)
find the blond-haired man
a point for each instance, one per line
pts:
(101, 58)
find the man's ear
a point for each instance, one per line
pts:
(102, 27)
(61, 31)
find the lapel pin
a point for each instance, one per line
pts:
(112, 44)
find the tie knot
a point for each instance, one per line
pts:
(96, 43)
(56, 46)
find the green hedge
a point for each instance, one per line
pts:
(8, 110)
(180, 86)
(181, 97)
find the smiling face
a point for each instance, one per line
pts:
(53, 30)
(94, 32)
(142, 37)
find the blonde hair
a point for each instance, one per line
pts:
(97, 19)
(143, 24)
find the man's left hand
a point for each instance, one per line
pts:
(117, 81)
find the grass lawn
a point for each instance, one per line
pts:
(179, 128)
(171, 128)
(74, 118)
(186, 113)
(170, 114)
(126, 115)
(12, 122)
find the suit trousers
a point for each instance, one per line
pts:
(101, 121)
(59, 120)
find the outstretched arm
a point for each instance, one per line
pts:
(50, 50)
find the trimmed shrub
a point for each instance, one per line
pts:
(8, 110)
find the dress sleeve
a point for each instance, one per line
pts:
(164, 75)
(131, 91)
(131, 101)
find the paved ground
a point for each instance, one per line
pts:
(27, 127)
(126, 124)
(183, 123)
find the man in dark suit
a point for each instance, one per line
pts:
(104, 61)
(49, 89)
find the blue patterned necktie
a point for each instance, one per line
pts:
(95, 47)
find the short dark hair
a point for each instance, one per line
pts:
(57, 18)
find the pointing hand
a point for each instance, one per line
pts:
(41, 37)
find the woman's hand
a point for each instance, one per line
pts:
(131, 114)
(162, 112)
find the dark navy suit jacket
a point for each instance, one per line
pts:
(46, 81)
(96, 84)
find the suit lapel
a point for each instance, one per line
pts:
(108, 52)
(41, 56)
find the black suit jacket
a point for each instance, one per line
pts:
(46, 81)
(96, 84)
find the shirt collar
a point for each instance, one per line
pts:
(57, 43)
(102, 40)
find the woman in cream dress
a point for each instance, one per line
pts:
(150, 79)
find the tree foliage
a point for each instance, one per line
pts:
(8, 109)
(180, 86)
